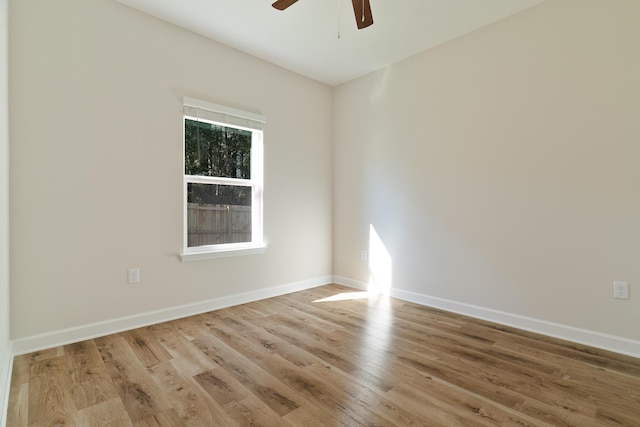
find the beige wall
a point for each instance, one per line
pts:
(96, 180)
(501, 169)
(4, 205)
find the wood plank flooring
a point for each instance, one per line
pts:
(329, 356)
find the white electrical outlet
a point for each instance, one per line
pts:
(620, 290)
(363, 255)
(133, 275)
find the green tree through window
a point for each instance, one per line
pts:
(223, 172)
(220, 151)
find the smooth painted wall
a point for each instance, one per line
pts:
(96, 165)
(5, 346)
(501, 169)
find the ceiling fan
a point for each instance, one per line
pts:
(361, 9)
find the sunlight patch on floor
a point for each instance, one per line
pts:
(345, 296)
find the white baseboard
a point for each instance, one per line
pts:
(81, 333)
(352, 283)
(569, 333)
(6, 366)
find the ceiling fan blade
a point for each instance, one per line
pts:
(283, 4)
(362, 10)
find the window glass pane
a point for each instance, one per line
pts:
(214, 150)
(218, 214)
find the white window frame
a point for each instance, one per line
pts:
(207, 112)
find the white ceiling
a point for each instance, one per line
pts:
(304, 38)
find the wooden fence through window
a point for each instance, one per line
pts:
(217, 224)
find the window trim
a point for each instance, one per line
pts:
(222, 253)
(229, 117)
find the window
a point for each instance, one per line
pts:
(222, 181)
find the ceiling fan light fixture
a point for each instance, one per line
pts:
(283, 4)
(361, 10)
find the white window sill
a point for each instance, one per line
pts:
(222, 253)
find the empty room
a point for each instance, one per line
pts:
(319, 213)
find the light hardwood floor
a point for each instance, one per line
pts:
(329, 356)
